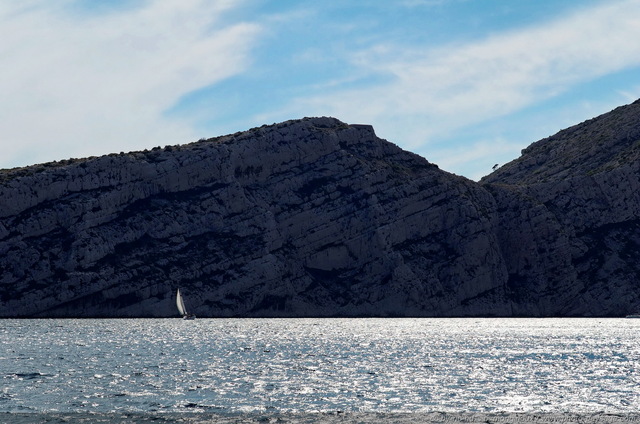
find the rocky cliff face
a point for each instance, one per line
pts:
(319, 218)
(311, 217)
(570, 216)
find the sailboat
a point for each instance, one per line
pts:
(182, 308)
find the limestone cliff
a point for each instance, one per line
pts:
(315, 217)
(569, 223)
(304, 218)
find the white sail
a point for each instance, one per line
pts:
(180, 304)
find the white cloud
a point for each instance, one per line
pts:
(436, 92)
(477, 158)
(95, 83)
(428, 3)
(631, 94)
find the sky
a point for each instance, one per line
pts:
(467, 84)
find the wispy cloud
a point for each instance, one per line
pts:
(428, 3)
(478, 157)
(95, 83)
(80, 81)
(437, 91)
(632, 94)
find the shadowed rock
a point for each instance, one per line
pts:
(316, 217)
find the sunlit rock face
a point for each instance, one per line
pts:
(316, 217)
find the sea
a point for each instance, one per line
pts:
(282, 367)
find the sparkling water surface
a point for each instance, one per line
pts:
(324, 365)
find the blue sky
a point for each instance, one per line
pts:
(465, 83)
